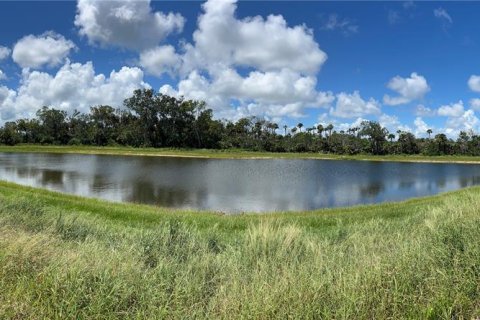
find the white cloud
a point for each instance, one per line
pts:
(159, 60)
(125, 23)
(421, 127)
(4, 93)
(392, 123)
(281, 60)
(353, 106)
(474, 83)
(74, 86)
(443, 15)
(451, 110)
(334, 22)
(458, 119)
(408, 89)
(283, 93)
(465, 122)
(4, 52)
(422, 111)
(339, 126)
(475, 104)
(2, 75)
(265, 44)
(36, 51)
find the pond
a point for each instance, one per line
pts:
(234, 186)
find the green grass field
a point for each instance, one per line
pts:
(228, 154)
(63, 256)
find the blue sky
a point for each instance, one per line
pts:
(409, 65)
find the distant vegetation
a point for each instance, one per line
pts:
(150, 119)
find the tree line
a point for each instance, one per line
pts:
(151, 119)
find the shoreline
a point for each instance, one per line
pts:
(231, 154)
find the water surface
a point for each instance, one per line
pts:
(234, 186)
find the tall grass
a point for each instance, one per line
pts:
(58, 260)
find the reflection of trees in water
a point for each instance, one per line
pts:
(100, 182)
(406, 184)
(148, 192)
(51, 177)
(441, 182)
(372, 189)
(469, 181)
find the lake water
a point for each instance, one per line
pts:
(234, 186)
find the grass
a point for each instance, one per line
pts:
(229, 154)
(63, 256)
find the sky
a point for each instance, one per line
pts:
(411, 66)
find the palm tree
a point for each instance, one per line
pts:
(294, 129)
(320, 130)
(429, 131)
(391, 136)
(299, 126)
(274, 127)
(285, 127)
(329, 128)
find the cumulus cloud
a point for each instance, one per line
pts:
(392, 123)
(74, 86)
(353, 106)
(2, 75)
(282, 63)
(413, 88)
(458, 119)
(464, 122)
(4, 52)
(421, 127)
(474, 83)
(422, 111)
(475, 104)
(36, 51)
(265, 44)
(341, 126)
(128, 24)
(283, 93)
(451, 110)
(159, 60)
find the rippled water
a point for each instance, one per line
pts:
(234, 186)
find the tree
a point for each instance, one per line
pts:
(408, 143)
(391, 136)
(285, 127)
(329, 128)
(376, 135)
(144, 104)
(320, 130)
(274, 127)
(441, 141)
(299, 126)
(429, 131)
(9, 134)
(105, 122)
(54, 125)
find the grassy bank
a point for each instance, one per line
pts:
(229, 154)
(63, 256)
